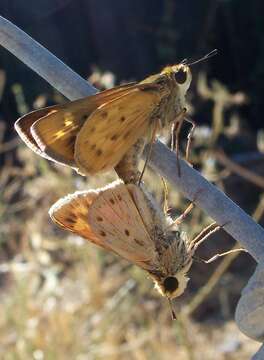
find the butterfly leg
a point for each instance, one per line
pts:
(203, 235)
(127, 168)
(189, 138)
(186, 212)
(165, 196)
(182, 217)
(175, 134)
(153, 136)
(216, 256)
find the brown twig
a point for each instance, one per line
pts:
(238, 169)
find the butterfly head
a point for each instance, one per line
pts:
(172, 286)
(180, 74)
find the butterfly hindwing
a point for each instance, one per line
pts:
(71, 213)
(23, 125)
(113, 128)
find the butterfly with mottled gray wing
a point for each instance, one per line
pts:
(126, 220)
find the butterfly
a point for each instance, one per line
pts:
(126, 220)
(93, 134)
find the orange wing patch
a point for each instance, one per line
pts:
(56, 134)
(71, 213)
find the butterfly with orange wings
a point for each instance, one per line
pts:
(126, 220)
(94, 133)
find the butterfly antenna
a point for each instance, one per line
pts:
(184, 61)
(149, 151)
(205, 57)
(173, 314)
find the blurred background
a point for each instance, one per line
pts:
(63, 298)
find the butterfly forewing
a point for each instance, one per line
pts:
(34, 140)
(115, 219)
(113, 128)
(150, 213)
(51, 132)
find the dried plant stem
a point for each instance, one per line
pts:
(238, 169)
(9, 145)
(183, 322)
(204, 291)
(210, 199)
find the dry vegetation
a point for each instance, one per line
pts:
(63, 298)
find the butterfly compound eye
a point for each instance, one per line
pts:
(170, 284)
(180, 76)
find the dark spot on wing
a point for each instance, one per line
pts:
(139, 242)
(114, 137)
(99, 152)
(102, 233)
(119, 197)
(127, 232)
(70, 220)
(99, 218)
(122, 119)
(112, 201)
